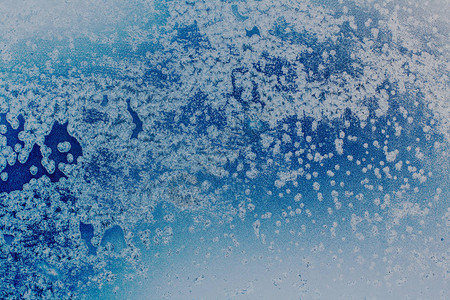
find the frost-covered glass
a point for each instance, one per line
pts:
(224, 149)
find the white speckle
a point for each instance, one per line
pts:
(64, 147)
(338, 144)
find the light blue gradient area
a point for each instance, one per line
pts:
(229, 261)
(349, 199)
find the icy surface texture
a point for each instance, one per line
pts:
(224, 149)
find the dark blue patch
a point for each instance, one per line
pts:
(137, 122)
(104, 101)
(19, 174)
(8, 238)
(87, 233)
(252, 32)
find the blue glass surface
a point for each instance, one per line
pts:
(224, 149)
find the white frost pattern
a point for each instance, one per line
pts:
(319, 127)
